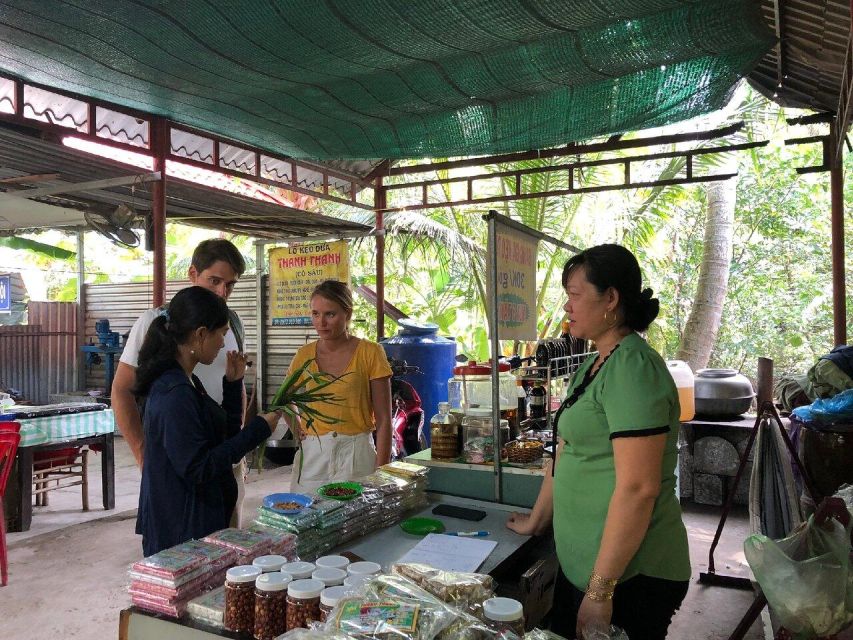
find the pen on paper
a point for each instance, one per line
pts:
(468, 534)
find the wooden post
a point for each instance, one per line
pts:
(839, 286)
(380, 204)
(764, 393)
(160, 146)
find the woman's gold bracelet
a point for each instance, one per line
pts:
(608, 583)
(599, 596)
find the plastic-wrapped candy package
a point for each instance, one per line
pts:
(217, 557)
(169, 594)
(542, 634)
(173, 609)
(208, 608)
(282, 543)
(357, 507)
(405, 469)
(324, 506)
(314, 634)
(468, 627)
(248, 544)
(384, 483)
(462, 589)
(203, 570)
(172, 566)
(296, 523)
(332, 521)
(392, 607)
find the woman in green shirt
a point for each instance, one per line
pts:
(617, 522)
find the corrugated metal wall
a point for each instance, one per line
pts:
(58, 322)
(21, 362)
(123, 303)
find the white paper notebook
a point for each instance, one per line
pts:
(450, 553)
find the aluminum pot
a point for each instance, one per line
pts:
(722, 392)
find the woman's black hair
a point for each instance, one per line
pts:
(190, 309)
(612, 265)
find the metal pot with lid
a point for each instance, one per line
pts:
(722, 392)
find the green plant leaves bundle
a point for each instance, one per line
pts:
(296, 398)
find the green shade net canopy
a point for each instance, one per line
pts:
(367, 79)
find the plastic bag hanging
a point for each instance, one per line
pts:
(806, 577)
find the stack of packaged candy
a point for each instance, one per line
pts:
(247, 544)
(166, 581)
(403, 490)
(282, 543)
(217, 558)
(362, 516)
(333, 515)
(302, 525)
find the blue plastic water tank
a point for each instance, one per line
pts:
(420, 345)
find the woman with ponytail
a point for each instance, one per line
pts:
(188, 488)
(617, 522)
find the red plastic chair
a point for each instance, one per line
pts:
(8, 448)
(14, 427)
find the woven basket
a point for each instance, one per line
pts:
(524, 452)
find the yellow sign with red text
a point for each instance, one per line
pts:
(296, 270)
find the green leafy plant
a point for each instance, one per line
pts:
(296, 397)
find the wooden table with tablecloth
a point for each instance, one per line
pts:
(46, 429)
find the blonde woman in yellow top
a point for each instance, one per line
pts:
(345, 450)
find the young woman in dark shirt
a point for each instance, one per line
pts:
(188, 488)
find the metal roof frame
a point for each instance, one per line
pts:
(71, 178)
(31, 105)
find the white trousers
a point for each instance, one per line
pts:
(333, 457)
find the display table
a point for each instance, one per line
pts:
(48, 434)
(384, 546)
(520, 485)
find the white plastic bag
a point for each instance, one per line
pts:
(806, 577)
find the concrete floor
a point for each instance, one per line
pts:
(68, 574)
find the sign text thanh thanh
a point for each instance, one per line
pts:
(295, 271)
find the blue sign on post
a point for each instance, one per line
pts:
(5, 294)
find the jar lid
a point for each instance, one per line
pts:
(479, 412)
(330, 576)
(330, 596)
(269, 563)
(364, 568)
(273, 581)
(243, 573)
(336, 562)
(299, 570)
(503, 609)
(305, 589)
(354, 582)
(480, 369)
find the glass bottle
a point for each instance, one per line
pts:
(443, 434)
